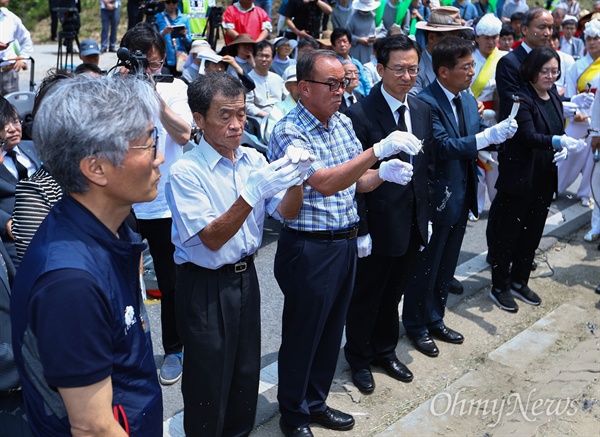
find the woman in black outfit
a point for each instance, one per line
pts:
(527, 180)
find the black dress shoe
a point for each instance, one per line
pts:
(598, 289)
(456, 287)
(448, 335)
(294, 431)
(333, 419)
(425, 345)
(533, 266)
(395, 369)
(363, 380)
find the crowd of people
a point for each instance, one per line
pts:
(382, 141)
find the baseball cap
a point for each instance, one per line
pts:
(89, 47)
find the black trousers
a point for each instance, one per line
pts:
(316, 278)
(372, 324)
(158, 234)
(517, 224)
(219, 322)
(427, 292)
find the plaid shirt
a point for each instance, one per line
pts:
(332, 145)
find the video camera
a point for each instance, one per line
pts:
(68, 15)
(137, 63)
(150, 8)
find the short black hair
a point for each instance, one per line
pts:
(448, 51)
(203, 90)
(8, 113)
(393, 43)
(338, 33)
(534, 62)
(507, 30)
(261, 45)
(142, 37)
(517, 16)
(303, 42)
(556, 34)
(88, 68)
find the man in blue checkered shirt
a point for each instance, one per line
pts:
(316, 255)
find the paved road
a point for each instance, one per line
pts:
(565, 216)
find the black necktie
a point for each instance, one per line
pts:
(21, 169)
(460, 115)
(402, 126)
(401, 119)
(351, 100)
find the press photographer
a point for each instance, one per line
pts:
(154, 218)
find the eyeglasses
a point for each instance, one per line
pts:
(550, 73)
(14, 123)
(154, 144)
(334, 85)
(468, 67)
(401, 71)
(352, 73)
(155, 65)
(263, 56)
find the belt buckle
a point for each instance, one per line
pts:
(240, 267)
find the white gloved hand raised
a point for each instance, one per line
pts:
(270, 180)
(301, 157)
(569, 109)
(396, 171)
(364, 245)
(561, 155)
(583, 100)
(572, 144)
(396, 142)
(502, 131)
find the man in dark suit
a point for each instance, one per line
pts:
(20, 161)
(351, 95)
(537, 27)
(458, 134)
(394, 216)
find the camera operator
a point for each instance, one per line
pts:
(15, 43)
(154, 218)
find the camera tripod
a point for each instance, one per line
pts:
(66, 39)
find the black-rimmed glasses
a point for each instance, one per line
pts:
(334, 85)
(153, 145)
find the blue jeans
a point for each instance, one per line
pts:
(267, 5)
(109, 18)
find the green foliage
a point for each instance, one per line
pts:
(30, 11)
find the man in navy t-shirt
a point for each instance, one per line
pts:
(80, 338)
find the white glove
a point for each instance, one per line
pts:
(396, 171)
(569, 109)
(397, 141)
(583, 100)
(499, 133)
(270, 180)
(561, 155)
(571, 144)
(364, 245)
(303, 158)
